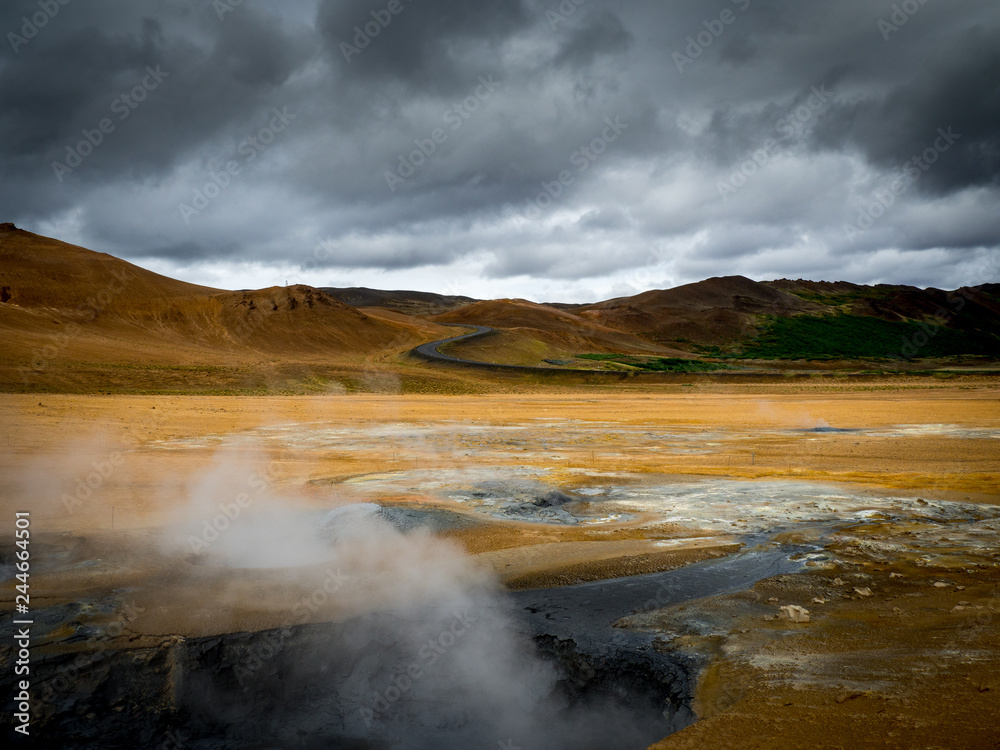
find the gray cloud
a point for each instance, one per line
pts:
(478, 164)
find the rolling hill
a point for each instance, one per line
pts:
(75, 319)
(786, 319)
(69, 314)
(407, 302)
(715, 311)
(532, 333)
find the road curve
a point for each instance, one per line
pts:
(431, 351)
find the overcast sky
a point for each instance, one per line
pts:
(509, 148)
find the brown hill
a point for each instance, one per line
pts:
(65, 307)
(560, 332)
(718, 310)
(407, 302)
(964, 309)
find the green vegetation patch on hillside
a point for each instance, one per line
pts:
(836, 299)
(602, 357)
(656, 364)
(672, 364)
(851, 336)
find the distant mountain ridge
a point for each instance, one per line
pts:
(731, 312)
(69, 307)
(408, 302)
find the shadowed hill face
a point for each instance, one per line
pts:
(732, 310)
(408, 302)
(715, 311)
(965, 309)
(730, 292)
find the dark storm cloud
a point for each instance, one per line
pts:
(395, 155)
(600, 34)
(86, 65)
(959, 88)
(424, 45)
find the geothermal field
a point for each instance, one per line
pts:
(700, 566)
(500, 374)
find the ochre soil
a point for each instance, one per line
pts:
(911, 666)
(901, 668)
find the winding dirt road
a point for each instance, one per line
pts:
(431, 351)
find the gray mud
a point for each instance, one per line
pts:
(570, 679)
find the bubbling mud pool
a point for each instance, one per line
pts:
(724, 506)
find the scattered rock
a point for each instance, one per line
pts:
(838, 582)
(960, 588)
(844, 697)
(819, 600)
(958, 608)
(553, 499)
(895, 575)
(864, 591)
(941, 585)
(772, 600)
(795, 613)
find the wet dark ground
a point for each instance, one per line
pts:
(570, 679)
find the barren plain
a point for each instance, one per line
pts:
(885, 496)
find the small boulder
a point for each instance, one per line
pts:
(553, 499)
(795, 613)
